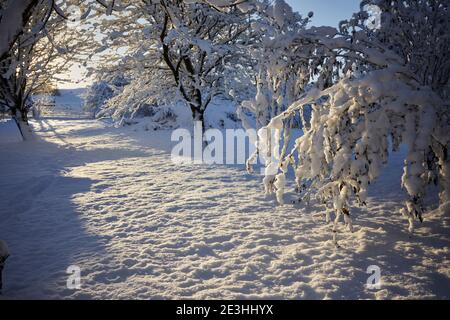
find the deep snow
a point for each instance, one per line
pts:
(111, 202)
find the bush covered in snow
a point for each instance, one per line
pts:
(96, 95)
(102, 90)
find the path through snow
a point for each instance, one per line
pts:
(111, 202)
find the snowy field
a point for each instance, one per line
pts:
(112, 202)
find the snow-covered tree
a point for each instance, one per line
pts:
(35, 59)
(103, 89)
(138, 98)
(415, 30)
(192, 42)
(19, 62)
(96, 95)
(382, 101)
(35, 45)
(286, 63)
(281, 72)
(14, 16)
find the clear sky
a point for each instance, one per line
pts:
(326, 12)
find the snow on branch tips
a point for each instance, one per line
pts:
(376, 102)
(351, 132)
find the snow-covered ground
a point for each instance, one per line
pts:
(112, 202)
(9, 131)
(68, 103)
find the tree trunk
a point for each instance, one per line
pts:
(198, 111)
(24, 115)
(444, 171)
(198, 115)
(20, 116)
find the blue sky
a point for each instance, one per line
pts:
(326, 12)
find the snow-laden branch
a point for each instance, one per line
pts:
(388, 90)
(13, 17)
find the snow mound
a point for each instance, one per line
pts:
(221, 114)
(153, 117)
